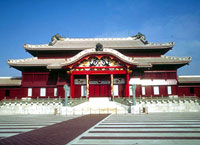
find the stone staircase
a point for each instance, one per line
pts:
(97, 105)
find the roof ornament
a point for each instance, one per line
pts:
(99, 47)
(54, 38)
(141, 37)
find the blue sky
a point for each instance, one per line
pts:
(35, 21)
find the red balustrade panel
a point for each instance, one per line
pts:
(77, 91)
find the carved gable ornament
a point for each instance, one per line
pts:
(99, 47)
(99, 62)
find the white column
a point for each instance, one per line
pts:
(87, 86)
(111, 85)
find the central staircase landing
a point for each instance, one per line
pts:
(99, 101)
(99, 105)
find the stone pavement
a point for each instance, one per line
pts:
(150, 129)
(15, 124)
(146, 129)
(56, 134)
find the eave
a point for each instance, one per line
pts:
(140, 62)
(10, 81)
(189, 79)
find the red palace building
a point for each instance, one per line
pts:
(99, 67)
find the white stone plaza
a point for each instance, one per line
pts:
(151, 129)
(126, 129)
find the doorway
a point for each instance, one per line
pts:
(99, 85)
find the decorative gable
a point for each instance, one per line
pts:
(99, 61)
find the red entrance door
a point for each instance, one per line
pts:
(99, 86)
(102, 90)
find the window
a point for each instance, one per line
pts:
(55, 92)
(191, 90)
(7, 93)
(156, 90)
(130, 91)
(143, 91)
(29, 92)
(116, 90)
(83, 90)
(42, 91)
(169, 90)
(69, 91)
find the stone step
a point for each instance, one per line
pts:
(101, 104)
(99, 99)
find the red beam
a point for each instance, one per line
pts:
(98, 72)
(99, 67)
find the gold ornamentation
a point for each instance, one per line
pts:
(99, 61)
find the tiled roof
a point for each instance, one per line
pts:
(34, 61)
(138, 61)
(162, 60)
(10, 81)
(188, 79)
(86, 43)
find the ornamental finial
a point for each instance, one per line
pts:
(141, 37)
(54, 38)
(99, 47)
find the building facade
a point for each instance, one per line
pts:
(99, 67)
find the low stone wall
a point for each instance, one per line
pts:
(170, 106)
(90, 107)
(32, 108)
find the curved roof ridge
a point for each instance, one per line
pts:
(90, 51)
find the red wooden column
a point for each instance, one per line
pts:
(127, 85)
(72, 85)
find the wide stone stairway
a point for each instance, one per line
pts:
(97, 105)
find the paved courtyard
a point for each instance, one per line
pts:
(15, 124)
(146, 129)
(151, 129)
